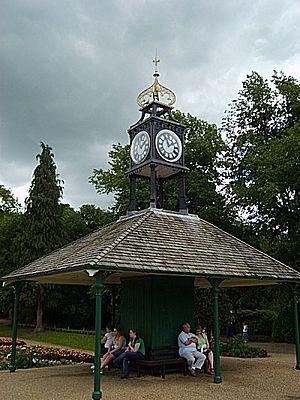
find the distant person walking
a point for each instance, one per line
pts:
(245, 331)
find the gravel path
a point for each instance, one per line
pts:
(271, 378)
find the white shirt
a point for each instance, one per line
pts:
(109, 338)
(182, 338)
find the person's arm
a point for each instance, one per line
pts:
(121, 341)
(191, 340)
(207, 343)
(184, 341)
(131, 348)
(104, 339)
(136, 347)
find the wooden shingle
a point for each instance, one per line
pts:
(160, 242)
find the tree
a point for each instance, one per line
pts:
(203, 147)
(8, 203)
(42, 229)
(95, 217)
(114, 180)
(263, 135)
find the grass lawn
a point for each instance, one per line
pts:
(64, 339)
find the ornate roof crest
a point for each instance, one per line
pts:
(156, 92)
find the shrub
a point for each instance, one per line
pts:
(238, 347)
(283, 328)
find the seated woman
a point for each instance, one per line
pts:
(134, 351)
(107, 339)
(117, 347)
(203, 346)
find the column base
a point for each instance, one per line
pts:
(217, 379)
(297, 367)
(96, 395)
(12, 368)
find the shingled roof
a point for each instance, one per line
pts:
(158, 242)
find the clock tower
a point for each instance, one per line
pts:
(157, 144)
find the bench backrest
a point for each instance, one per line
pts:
(162, 352)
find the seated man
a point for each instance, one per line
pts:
(187, 343)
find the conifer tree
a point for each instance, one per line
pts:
(43, 228)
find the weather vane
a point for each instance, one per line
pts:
(156, 61)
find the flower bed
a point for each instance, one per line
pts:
(40, 356)
(4, 341)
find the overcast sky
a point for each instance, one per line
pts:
(70, 72)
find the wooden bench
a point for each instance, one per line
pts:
(161, 357)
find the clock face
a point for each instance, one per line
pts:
(168, 145)
(140, 146)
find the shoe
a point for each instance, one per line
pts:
(192, 372)
(101, 372)
(124, 377)
(211, 371)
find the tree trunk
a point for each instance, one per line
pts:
(39, 315)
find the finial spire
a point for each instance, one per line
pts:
(156, 61)
(156, 92)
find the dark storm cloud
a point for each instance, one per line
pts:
(71, 70)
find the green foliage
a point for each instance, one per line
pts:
(115, 181)
(9, 229)
(8, 203)
(263, 158)
(94, 217)
(237, 347)
(43, 230)
(283, 329)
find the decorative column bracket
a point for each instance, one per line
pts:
(215, 283)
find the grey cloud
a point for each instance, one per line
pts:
(71, 70)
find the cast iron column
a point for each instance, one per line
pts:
(132, 201)
(161, 193)
(182, 199)
(153, 187)
(296, 325)
(216, 285)
(97, 384)
(12, 366)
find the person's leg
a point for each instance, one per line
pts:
(200, 359)
(211, 359)
(129, 356)
(119, 360)
(189, 358)
(106, 360)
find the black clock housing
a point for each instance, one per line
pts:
(155, 118)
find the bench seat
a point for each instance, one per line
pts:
(161, 357)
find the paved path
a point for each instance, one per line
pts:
(264, 379)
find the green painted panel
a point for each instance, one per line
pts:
(157, 306)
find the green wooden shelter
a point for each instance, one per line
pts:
(157, 256)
